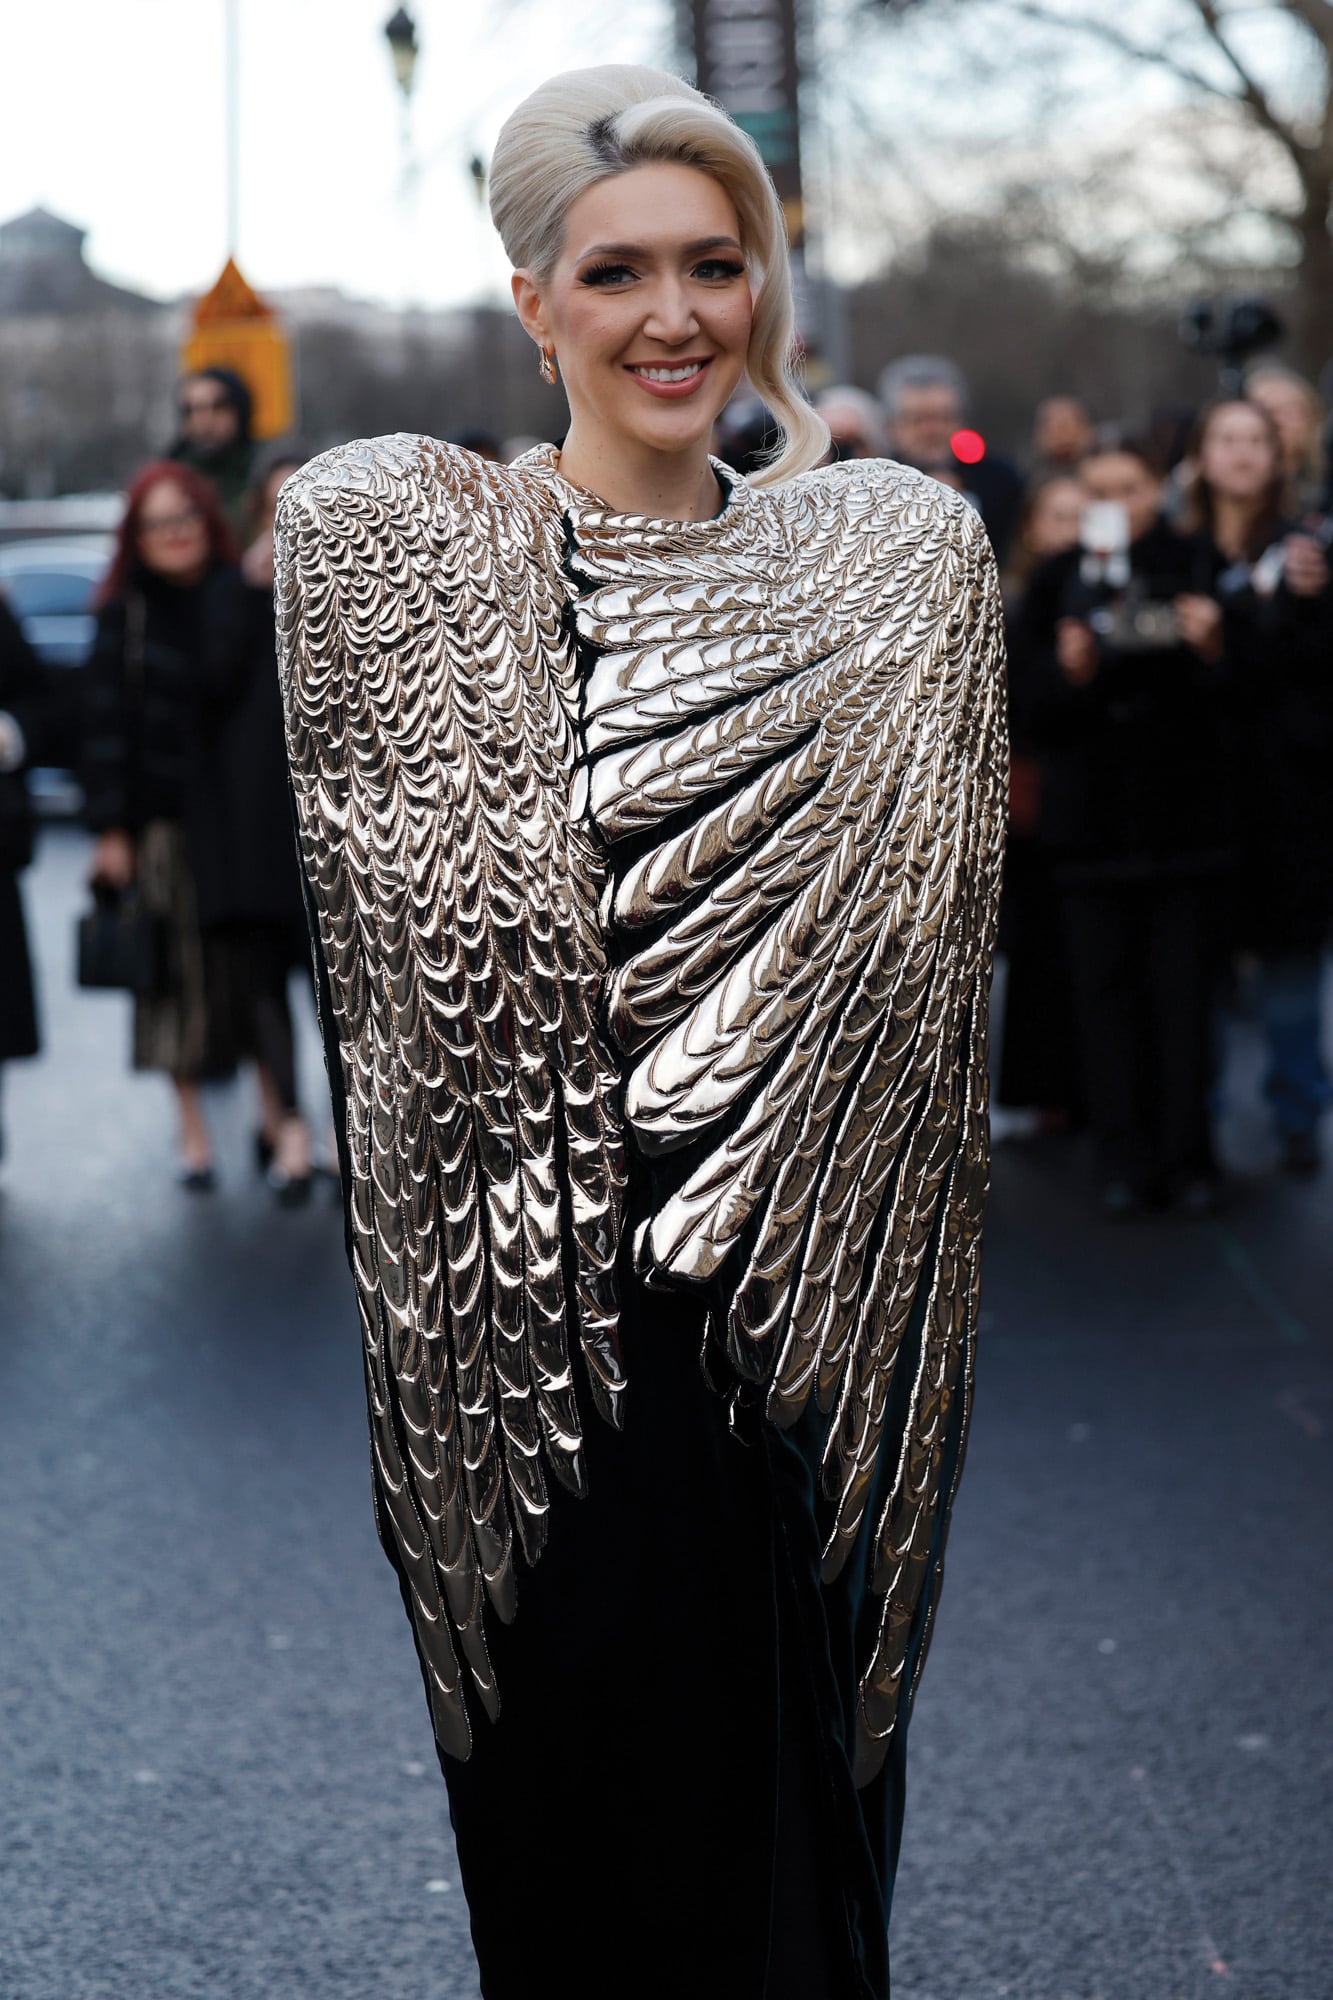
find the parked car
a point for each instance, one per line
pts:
(49, 586)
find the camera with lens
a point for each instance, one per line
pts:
(1116, 603)
(1234, 330)
(1133, 622)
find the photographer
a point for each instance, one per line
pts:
(1271, 613)
(1120, 696)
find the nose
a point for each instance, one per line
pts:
(671, 317)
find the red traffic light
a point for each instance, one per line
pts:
(968, 447)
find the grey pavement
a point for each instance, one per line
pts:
(216, 1771)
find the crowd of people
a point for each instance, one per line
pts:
(1170, 626)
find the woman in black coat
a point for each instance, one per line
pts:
(1273, 609)
(1121, 693)
(23, 711)
(142, 692)
(242, 842)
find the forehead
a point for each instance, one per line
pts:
(926, 396)
(1119, 468)
(163, 497)
(1237, 423)
(1281, 392)
(1060, 493)
(656, 206)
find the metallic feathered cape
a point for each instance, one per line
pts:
(729, 894)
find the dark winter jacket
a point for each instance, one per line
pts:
(229, 472)
(239, 822)
(1132, 762)
(1279, 650)
(141, 691)
(24, 694)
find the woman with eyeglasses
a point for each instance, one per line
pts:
(141, 697)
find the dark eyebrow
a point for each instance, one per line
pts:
(637, 249)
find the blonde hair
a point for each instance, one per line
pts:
(588, 124)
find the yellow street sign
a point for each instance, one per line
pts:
(232, 327)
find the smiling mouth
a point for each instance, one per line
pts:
(679, 371)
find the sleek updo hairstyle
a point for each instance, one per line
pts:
(588, 124)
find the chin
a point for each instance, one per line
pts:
(678, 430)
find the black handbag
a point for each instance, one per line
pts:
(121, 945)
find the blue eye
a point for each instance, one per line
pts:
(719, 267)
(605, 274)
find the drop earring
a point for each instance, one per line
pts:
(546, 367)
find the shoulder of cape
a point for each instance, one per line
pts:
(414, 487)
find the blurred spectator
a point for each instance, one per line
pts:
(1062, 435)
(1171, 429)
(855, 421)
(1048, 525)
(1120, 695)
(926, 405)
(137, 766)
(1038, 1067)
(746, 435)
(215, 412)
(1297, 412)
(1276, 614)
(242, 843)
(23, 711)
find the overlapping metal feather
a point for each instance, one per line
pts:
(804, 698)
(792, 753)
(428, 681)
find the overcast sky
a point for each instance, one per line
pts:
(114, 116)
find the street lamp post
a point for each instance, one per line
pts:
(400, 32)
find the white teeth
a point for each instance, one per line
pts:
(669, 374)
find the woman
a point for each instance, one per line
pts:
(1121, 697)
(652, 824)
(1271, 617)
(24, 709)
(141, 693)
(1296, 410)
(241, 842)
(1038, 1069)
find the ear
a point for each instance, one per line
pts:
(529, 307)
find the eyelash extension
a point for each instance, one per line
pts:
(597, 273)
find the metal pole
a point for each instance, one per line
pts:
(233, 72)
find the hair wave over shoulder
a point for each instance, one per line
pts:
(587, 124)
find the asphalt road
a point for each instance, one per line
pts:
(216, 1770)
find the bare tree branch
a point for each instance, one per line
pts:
(1250, 93)
(1251, 90)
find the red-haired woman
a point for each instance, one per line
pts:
(139, 747)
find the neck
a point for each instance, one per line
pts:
(634, 479)
(1232, 521)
